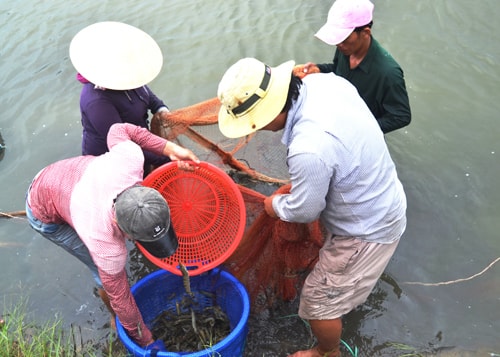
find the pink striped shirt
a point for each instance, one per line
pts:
(80, 191)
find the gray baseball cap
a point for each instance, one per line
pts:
(144, 215)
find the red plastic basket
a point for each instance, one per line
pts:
(207, 213)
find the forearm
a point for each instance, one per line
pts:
(148, 141)
(125, 307)
(141, 136)
(325, 67)
(309, 186)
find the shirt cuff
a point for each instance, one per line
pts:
(163, 109)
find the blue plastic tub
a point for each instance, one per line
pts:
(152, 294)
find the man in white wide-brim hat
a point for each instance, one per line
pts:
(341, 173)
(115, 62)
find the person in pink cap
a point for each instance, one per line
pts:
(360, 59)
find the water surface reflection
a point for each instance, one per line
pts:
(447, 159)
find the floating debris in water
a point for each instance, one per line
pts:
(2, 147)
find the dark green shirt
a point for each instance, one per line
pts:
(380, 82)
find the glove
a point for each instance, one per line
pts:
(155, 347)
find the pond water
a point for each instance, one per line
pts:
(448, 158)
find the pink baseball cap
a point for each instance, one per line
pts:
(344, 16)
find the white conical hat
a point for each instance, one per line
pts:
(115, 55)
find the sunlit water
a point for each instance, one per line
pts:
(447, 159)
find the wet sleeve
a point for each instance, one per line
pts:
(395, 104)
(124, 305)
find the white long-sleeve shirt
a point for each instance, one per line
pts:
(340, 167)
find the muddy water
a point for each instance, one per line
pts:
(448, 158)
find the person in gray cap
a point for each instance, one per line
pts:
(341, 173)
(360, 59)
(89, 206)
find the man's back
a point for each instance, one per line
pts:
(333, 129)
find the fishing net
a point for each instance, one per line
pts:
(196, 127)
(273, 256)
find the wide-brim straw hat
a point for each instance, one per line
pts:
(115, 55)
(252, 95)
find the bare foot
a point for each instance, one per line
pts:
(306, 353)
(313, 352)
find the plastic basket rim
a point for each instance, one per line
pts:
(240, 326)
(204, 267)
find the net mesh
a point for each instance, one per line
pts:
(273, 255)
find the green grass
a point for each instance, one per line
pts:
(20, 337)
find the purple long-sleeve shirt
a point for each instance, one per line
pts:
(101, 108)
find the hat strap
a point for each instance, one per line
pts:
(247, 104)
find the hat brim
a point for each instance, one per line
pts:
(265, 111)
(333, 35)
(115, 55)
(163, 247)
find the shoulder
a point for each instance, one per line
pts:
(310, 138)
(91, 95)
(321, 82)
(383, 58)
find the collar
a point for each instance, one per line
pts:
(293, 115)
(366, 63)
